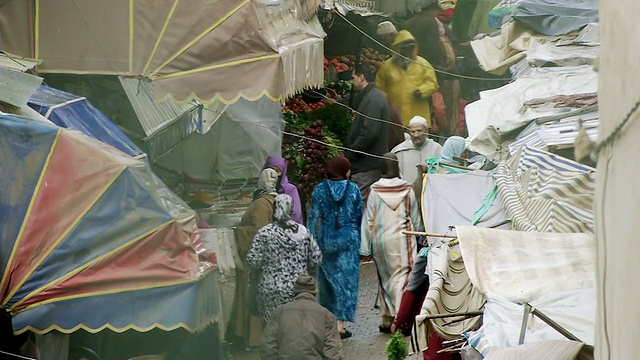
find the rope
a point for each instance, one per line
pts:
(311, 139)
(373, 118)
(617, 130)
(431, 67)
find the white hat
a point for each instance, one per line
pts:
(386, 27)
(419, 120)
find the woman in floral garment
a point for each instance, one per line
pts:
(281, 250)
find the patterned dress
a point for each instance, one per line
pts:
(281, 251)
(334, 220)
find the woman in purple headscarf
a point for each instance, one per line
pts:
(279, 164)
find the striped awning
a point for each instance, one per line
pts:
(545, 192)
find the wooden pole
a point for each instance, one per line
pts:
(421, 233)
(442, 316)
(456, 166)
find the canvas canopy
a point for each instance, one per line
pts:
(202, 49)
(91, 239)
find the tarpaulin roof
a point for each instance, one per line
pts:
(556, 17)
(91, 239)
(76, 112)
(202, 49)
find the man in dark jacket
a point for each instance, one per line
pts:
(302, 329)
(369, 130)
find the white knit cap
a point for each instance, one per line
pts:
(419, 120)
(386, 27)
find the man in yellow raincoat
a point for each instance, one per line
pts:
(408, 80)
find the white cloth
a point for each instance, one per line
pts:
(554, 272)
(453, 199)
(409, 156)
(522, 266)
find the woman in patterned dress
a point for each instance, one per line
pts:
(334, 220)
(281, 251)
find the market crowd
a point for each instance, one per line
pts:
(301, 262)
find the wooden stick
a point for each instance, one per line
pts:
(419, 233)
(456, 166)
(468, 313)
(454, 341)
(451, 349)
(466, 317)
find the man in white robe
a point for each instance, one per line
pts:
(415, 150)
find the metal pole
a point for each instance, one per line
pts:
(525, 319)
(557, 327)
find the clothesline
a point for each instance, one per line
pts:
(411, 60)
(373, 118)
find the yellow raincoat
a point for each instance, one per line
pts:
(399, 84)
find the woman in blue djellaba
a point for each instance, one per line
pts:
(334, 220)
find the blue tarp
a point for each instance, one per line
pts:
(556, 17)
(75, 112)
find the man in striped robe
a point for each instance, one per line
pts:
(391, 209)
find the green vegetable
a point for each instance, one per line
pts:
(397, 347)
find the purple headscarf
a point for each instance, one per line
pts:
(286, 187)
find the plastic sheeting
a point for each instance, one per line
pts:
(236, 146)
(556, 17)
(74, 112)
(85, 227)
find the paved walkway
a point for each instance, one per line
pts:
(367, 342)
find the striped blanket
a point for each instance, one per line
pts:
(450, 292)
(544, 192)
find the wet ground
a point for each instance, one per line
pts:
(367, 342)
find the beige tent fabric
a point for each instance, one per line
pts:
(525, 266)
(204, 49)
(15, 28)
(497, 53)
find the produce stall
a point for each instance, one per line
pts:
(316, 127)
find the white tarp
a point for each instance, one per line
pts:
(452, 199)
(553, 272)
(502, 110)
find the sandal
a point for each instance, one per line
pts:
(384, 329)
(346, 334)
